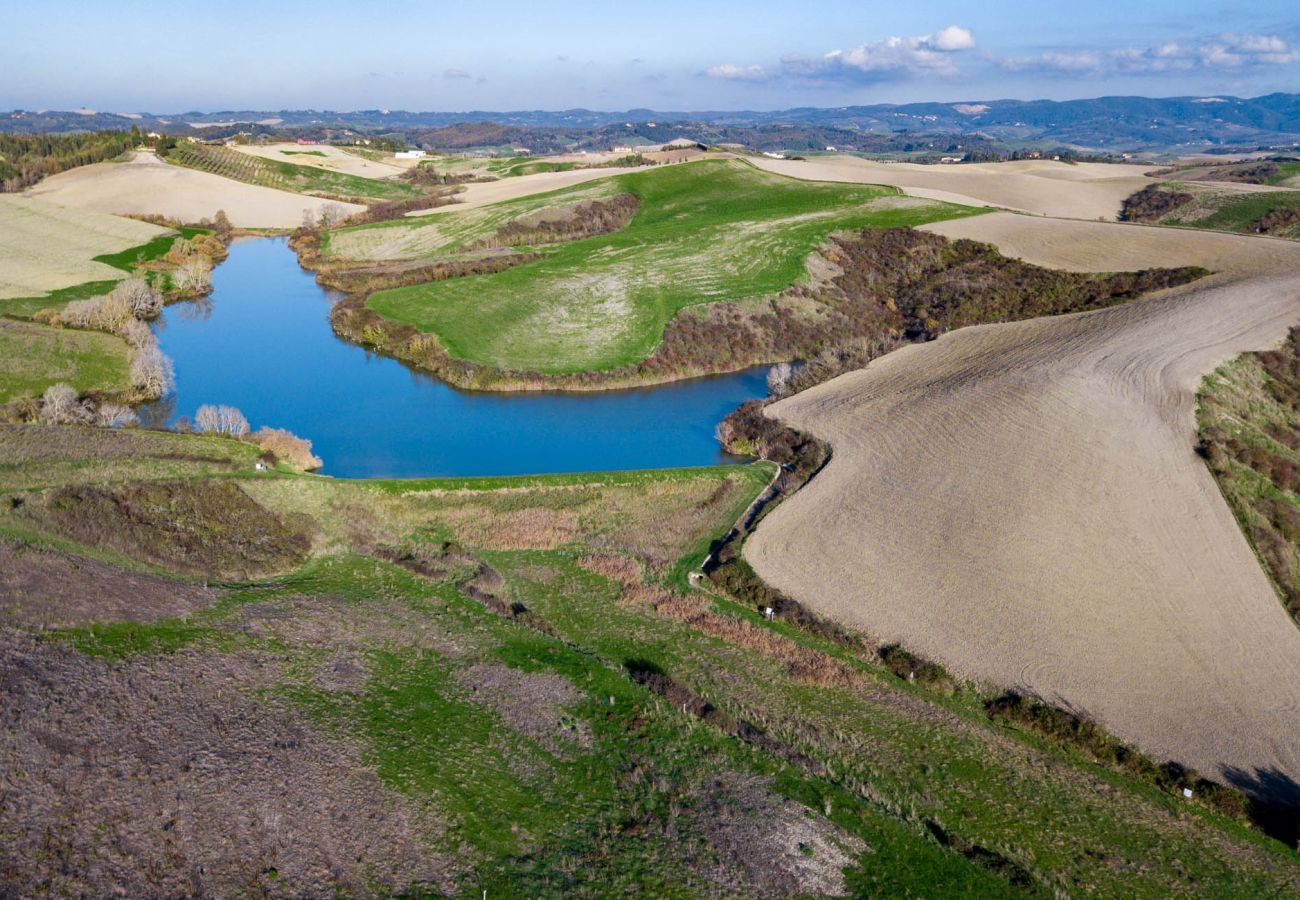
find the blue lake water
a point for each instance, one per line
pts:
(262, 342)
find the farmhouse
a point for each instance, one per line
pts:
(410, 154)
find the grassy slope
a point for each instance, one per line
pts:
(33, 357)
(707, 231)
(1251, 435)
(287, 176)
(531, 816)
(1227, 210)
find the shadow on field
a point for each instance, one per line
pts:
(1275, 801)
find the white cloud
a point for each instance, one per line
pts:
(1227, 51)
(733, 72)
(892, 57)
(455, 73)
(952, 38)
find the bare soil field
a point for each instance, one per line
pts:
(147, 185)
(1082, 190)
(324, 156)
(45, 246)
(1023, 503)
(485, 192)
(1118, 247)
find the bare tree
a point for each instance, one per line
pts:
(111, 313)
(220, 420)
(115, 415)
(193, 275)
(140, 297)
(331, 214)
(233, 421)
(61, 406)
(207, 418)
(778, 378)
(151, 371)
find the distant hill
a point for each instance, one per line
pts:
(1105, 123)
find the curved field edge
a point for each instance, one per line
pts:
(706, 232)
(659, 736)
(46, 247)
(871, 288)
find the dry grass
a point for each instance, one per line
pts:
(50, 589)
(803, 664)
(202, 528)
(164, 776)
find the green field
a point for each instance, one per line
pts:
(1287, 175)
(487, 686)
(706, 232)
(34, 356)
(287, 176)
(1236, 211)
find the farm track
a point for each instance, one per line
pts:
(1023, 502)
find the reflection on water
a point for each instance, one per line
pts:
(262, 342)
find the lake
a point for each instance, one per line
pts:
(262, 342)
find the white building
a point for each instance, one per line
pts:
(410, 154)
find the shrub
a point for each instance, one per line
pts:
(1151, 204)
(286, 447)
(910, 667)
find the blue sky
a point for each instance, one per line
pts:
(665, 54)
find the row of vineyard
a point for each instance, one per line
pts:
(286, 176)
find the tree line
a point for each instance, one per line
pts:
(27, 158)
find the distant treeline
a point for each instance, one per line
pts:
(27, 158)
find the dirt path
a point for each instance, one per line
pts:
(1083, 190)
(147, 185)
(1023, 502)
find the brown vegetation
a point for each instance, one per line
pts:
(50, 589)
(208, 528)
(165, 775)
(595, 217)
(1277, 221)
(1152, 203)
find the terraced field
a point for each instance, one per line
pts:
(44, 246)
(287, 176)
(705, 232)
